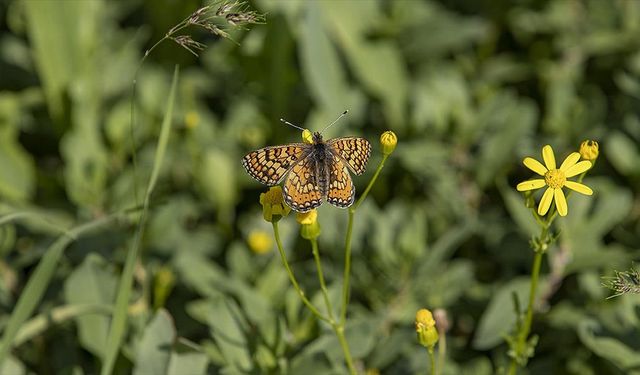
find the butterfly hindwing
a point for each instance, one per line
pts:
(341, 192)
(301, 191)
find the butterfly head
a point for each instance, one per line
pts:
(317, 138)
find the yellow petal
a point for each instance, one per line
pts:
(545, 202)
(549, 159)
(577, 169)
(561, 202)
(535, 166)
(530, 185)
(580, 188)
(570, 161)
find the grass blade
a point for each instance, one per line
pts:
(119, 322)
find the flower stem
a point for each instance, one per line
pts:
(442, 352)
(338, 328)
(292, 277)
(347, 245)
(535, 276)
(323, 286)
(432, 361)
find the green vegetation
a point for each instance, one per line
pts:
(133, 240)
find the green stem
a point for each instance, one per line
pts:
(442, 352)
(535, 275)
(347, 245)
(432, 361)
(338, 328)
(310, 306)
(323, 286)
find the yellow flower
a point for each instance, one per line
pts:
(309, 228)
(191, 119)
(426, 329)
(555, 179)
(273, 207)
(388, 141)
(589, 150)
(260, 242)
(307, 136)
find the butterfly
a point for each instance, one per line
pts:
(312, 172)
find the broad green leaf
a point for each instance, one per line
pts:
(227, 328)
(91, 283)
(623, 153)
(619, 354)
(193, 363)
(17, 175)
(154, 349)
(499, 317)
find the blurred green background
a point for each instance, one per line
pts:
(470, 88)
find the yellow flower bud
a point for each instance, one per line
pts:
(260, 242)
(307, 218)
(307, 136)
(589, 150)
(163, 284)
(273, 206)
(309, 228)
(426, 329)
(388, 140)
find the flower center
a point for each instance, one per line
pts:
(555, 178)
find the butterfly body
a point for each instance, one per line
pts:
(312, 172)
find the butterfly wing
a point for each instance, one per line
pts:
(301, 191)
(268, 165)
(354, 151)
(341, 192)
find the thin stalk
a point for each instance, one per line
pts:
(432, 361)
(338, 328)
(442, 352)
(347, 245)
(323, 286)
(292, 277)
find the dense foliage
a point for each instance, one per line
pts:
(469, 87)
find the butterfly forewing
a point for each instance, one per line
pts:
(268, 165)
(301, 191)
(354, 151)
(341, 192)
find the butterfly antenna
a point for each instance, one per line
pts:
(290, 124)
(336, 120)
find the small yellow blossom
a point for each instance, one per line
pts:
(260, 242)
(307, 136)
(555, 179)
(589, 150)
(388, 141)
(191, 119)
(309, 227)
(426, 329)
(273, 207)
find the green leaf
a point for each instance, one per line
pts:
(224, 319)
(499, 317)
(154, 349)
(90, 283)
(17, 175)
(623, 153)
(621, 355)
